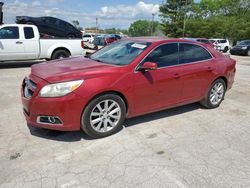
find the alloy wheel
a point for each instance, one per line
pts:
(216, 93)
(105, 116)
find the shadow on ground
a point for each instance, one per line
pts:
(18, 64)
(80, 135)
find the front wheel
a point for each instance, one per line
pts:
(103, 116)
(248, 52)
(215, 94)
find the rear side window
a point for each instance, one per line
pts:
(9, 33)
(164, 55)
(205, 41)
(192, 53)
(28, 33)
(222, 41)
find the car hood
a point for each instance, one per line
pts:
(71, 69)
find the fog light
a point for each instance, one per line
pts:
(52, 120)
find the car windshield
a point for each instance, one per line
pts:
(120, 53)
(245, 42)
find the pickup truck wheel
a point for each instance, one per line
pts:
(60, 54)
(103, 116)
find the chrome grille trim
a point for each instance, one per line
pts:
(29, 87)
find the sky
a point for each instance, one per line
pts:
(110, 13)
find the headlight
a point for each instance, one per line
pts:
(244, 47)
(59, 89)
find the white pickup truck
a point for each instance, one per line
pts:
(22, 42)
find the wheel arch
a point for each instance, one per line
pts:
(60, 48)
(110, 92)
(223, 78)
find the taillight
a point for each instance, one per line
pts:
(82, 44)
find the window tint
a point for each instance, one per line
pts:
(190, 53)
(29, 33)
(9, 33)
(205, 41)
(165, 55)
(222, 41)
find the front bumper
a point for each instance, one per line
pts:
(68, 108)
(238, 51)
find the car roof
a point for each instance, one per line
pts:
(159, 39)
(217, 39)
(15, 25)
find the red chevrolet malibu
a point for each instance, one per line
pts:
(124, 79)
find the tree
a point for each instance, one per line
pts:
(173, 13)
(76, 24)
(220, 19)
(142, 28)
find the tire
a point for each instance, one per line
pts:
(214, 94)
(248, 53)
(93, 122)
(60, 54)
(225, 49)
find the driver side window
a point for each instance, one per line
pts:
(9, 33)
(164, 55)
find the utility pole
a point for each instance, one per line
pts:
(1, 12)
(184, 21)
(96, 25)
(152, 24)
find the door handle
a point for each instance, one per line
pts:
(19, 42)
(210, 69)
(177, 76)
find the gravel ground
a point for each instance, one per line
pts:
(187, 146)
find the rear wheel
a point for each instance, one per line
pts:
(103, 116)
(225, 49)
(60, 54)
(215, 94)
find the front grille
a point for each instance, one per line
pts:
(29, 87)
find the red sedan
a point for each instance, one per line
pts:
(125, 79)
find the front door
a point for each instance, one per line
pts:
(158, 89)
(11, 47)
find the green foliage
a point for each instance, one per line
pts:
(76, 24)
(143, 28)
(173, 13)
(208, 18)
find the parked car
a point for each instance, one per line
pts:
(51, 26)
(22, 42)
(221, 44)
(88, 38)
(99, 42)
(124, 79)
(243, 48)
(202, 40)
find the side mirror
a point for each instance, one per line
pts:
(148, 66)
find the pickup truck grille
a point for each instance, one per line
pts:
(29, 87)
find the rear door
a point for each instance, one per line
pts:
(157, 89)
(197, 70)
(11, 44)
(31, 43)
